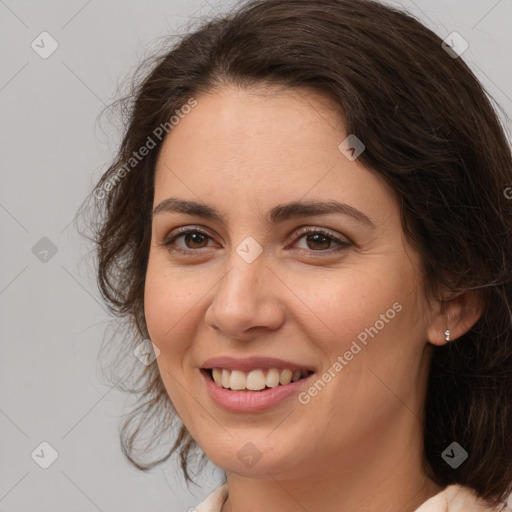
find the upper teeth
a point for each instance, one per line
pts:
(255, 379)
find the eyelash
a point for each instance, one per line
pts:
(313, 231)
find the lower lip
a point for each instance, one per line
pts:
(251, 401)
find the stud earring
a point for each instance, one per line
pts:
(447, 335)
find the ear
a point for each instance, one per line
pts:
(458, 315)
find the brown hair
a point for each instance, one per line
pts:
(430, 132)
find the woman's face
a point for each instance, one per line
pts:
(346, 303)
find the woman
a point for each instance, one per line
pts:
(308, 218)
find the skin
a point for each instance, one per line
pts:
(357, 445)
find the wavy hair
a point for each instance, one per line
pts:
(431, 132)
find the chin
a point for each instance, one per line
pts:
(253, 460)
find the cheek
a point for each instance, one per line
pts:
(348, 304)
(169, 311)
(169, 305)
(374, 329)
(365, 324)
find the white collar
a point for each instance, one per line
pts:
(454, 498)
(214, 501)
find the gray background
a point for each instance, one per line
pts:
(52, 151)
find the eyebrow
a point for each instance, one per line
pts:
(277, 214)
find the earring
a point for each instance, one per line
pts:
(447, 335)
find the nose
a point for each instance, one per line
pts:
(246, 300)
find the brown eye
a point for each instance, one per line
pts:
(319, 240)
(193, 238)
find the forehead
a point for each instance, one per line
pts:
(264, 123)
(260, 147)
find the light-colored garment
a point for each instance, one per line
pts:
(453, 498)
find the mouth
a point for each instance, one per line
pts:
(256, 380)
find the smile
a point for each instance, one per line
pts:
(257, 379)
(254, 384)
